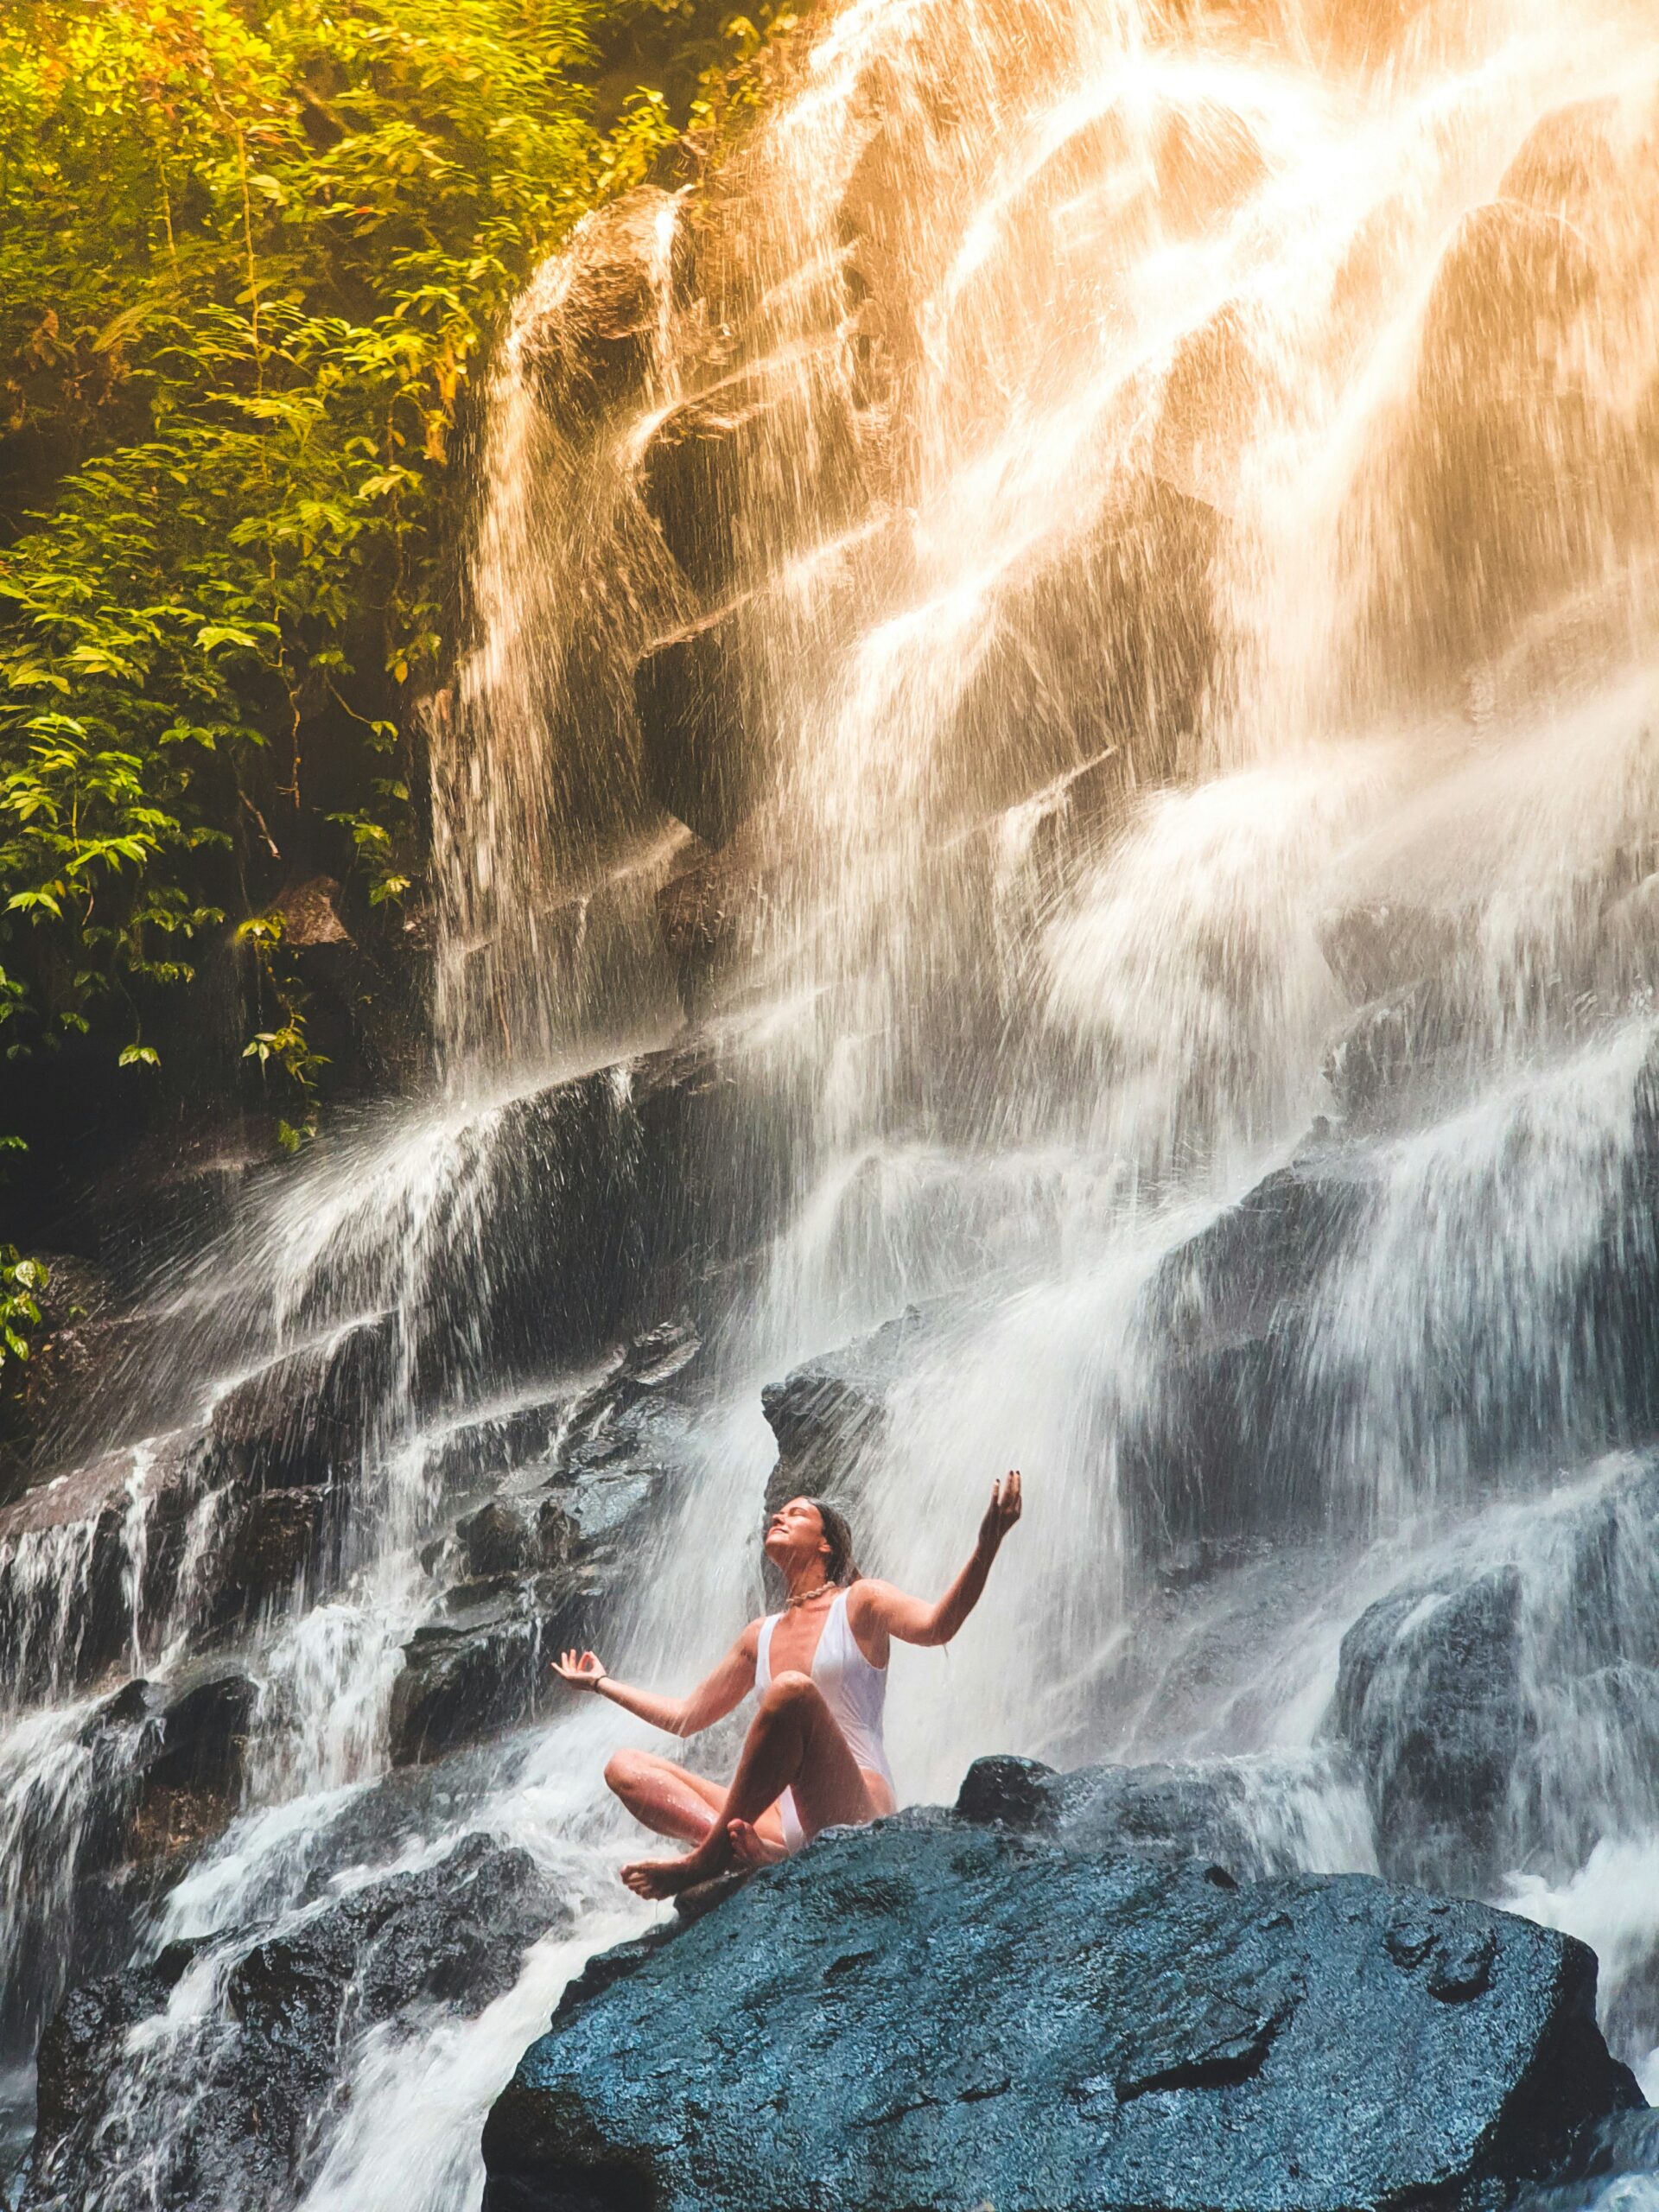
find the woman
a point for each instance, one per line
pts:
(813, 1757)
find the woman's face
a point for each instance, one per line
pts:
(795, 1535)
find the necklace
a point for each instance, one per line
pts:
(805, 1596)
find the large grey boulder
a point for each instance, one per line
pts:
(928, 2014)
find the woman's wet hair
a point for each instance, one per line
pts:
(841, 1565)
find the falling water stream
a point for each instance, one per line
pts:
(1183, 559)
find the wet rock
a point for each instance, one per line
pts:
(612, 1478)
(308, 1417)
(84, 1363)
(87, 2037)
(592, 318)
(1467, 1695)
(881, 265)
(756, 468)
(68, 1821)
(455, 1935)
(485, 1669)
(1006, 1790)
(203, 1733)
(1510, 481)
(1241, 1817)
(478, 1450)
(701, 742)
(1381, 946)
(281, 1537)
(1245, 1423)
(1429, 1698)
(546, 1557)
(189, 1779)
(174, 1191)
(913, 2014)
(1109, 647)
(592, 1213)
(1075, 817)
(1420, 981)
(700, 915)
(1223, 1446)
(497, 1540)
(90, 1562)
(615, 1965)
(1625, 2145)
(1398, 1044)
(176, 1751)
(828, 1415)
(260, 2072)
(1629, 961)
(105, 1821)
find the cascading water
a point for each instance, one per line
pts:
(1089, 606)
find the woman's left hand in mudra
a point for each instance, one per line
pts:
(1003, 1511)
(583, 1670)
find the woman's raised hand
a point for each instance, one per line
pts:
(1003, 1511)
(584, 1671)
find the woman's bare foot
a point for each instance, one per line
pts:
(750, 1847)
(665, 1878)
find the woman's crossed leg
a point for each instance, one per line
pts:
(793, 1743)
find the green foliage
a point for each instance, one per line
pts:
(285, 1042)
(22, 1282)
(247, 260)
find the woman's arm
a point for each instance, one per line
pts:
(716, 1696)
(912, 1620)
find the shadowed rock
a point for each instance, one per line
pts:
(1223, 1448)
(828, 1414)
(700, 744)
(541, 1562)
(152, 1773)
(90, 1564)
(1429, 1696)
(595, 315)
(759, 467)
(1467, 1694)
(307, 1417)
(260, 2071)
(485, 1669)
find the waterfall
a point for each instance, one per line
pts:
(1057, 730)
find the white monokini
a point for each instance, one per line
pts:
(853, 1690)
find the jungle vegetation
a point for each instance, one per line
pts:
(250, 257)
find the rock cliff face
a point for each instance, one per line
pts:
(936, 2013)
